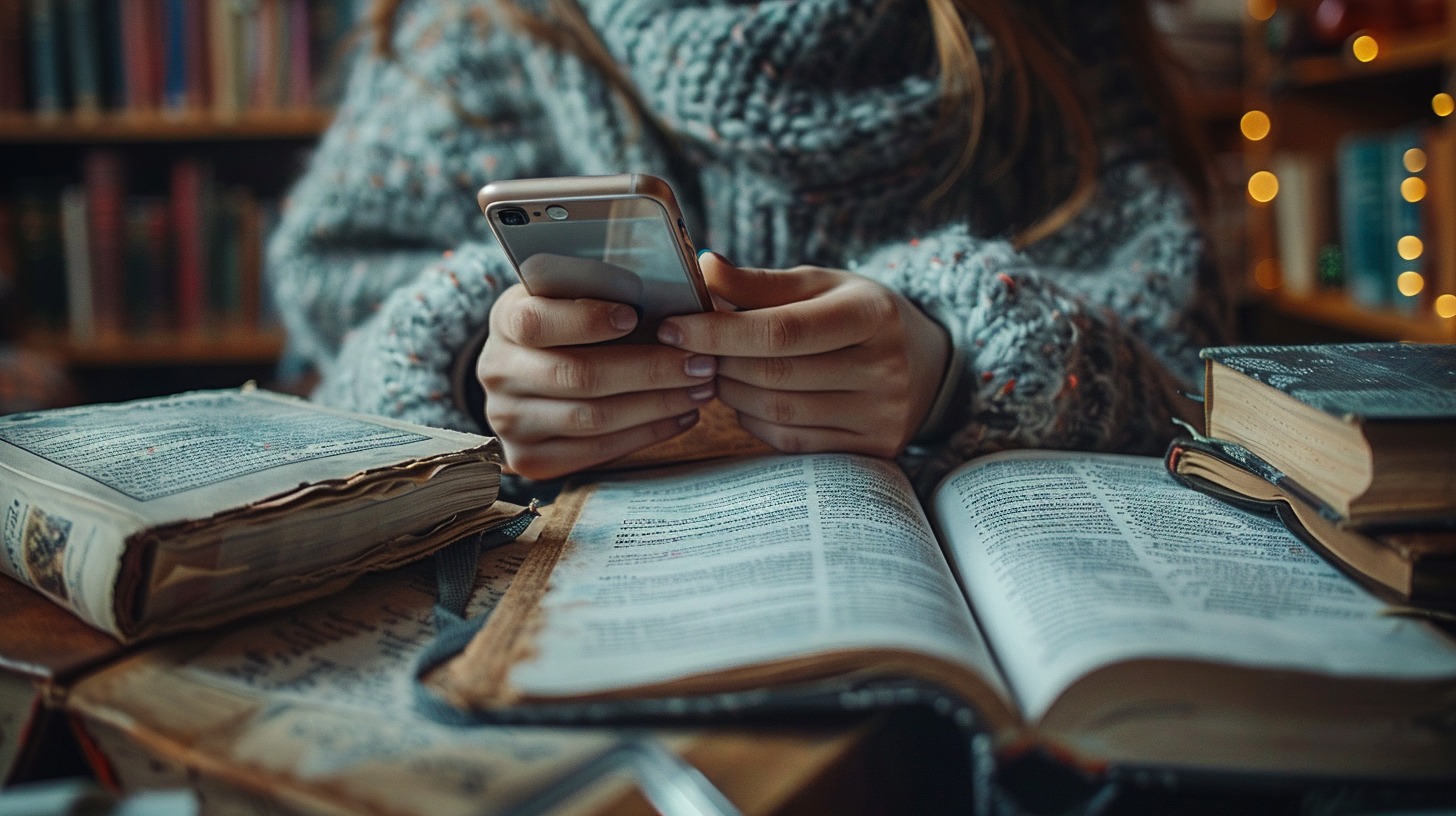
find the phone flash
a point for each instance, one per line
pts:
(556, 213)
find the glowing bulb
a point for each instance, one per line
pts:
(1266, 273)
(1443, 104)
(1255, 125)
(1410, 283)
(1261, 10)
(1365, 48)
(1446, 305)
(1409, 247)
(1414, 160)
(1263, 186)
(1413, 189)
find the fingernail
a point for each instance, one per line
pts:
(669, 335)
(702, 393)
(688, 420)
(701, 365)
(622, 317)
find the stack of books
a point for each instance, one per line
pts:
(1352, 445)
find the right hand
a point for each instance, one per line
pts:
(559, 404)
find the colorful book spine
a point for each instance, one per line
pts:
(189, 223)
(1361, 193)
(148, 265)
(83, 51)
(44, 33)
(105, 203)
(1405, 191)
(175, 96)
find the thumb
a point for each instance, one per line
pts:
(748, 288)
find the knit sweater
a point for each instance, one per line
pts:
(803, 131)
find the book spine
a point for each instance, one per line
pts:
(147, 248)
(105, 201)
(250, 242)
(82, 49)
(1362, 218)
(1405, 188)
(1440, 210)
(221, 35)
(44, 31)
(1302, 219)
(175, 96)
(191, 254)
(300, 71)
(59, 546)
(111, 39)
(136, 54)
(12, 52)
(41, 256)
(198, 44)
(224, 257)
(75, 232)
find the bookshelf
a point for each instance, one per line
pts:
(1338, 120)
(148, 145)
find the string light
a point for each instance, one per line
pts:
(1443, 104)
(1410, 284)
(1261, 10)
(1410, 247)
(1413, 189)
(1365, 48)
(1414, 160)
(1446, 306)
(1254, 125)
(1263, 186)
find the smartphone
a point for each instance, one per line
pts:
(620, 238)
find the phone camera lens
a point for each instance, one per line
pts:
(513, 217)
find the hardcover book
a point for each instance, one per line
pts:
(1367, 428)
(183, 512)
(1404, 564)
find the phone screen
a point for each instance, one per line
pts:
(625, 251)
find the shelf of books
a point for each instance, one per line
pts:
(1350, 156)
(148, 145)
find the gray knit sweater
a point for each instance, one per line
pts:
(803, 133)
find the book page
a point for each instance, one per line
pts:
(711, 567)
(316, 705)
(1074, 561)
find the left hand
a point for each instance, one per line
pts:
(818, 359)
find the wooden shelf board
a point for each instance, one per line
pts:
(221, 349)
(157, 127)
(1402, 52)
(1337, 311)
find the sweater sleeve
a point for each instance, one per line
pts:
(1082, 341)
(382, 267)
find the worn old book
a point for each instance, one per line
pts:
(1368, 428)
(311, 710)
(1403, 563)
(186, 511)
(1086, 605)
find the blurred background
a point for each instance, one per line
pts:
(145, 154)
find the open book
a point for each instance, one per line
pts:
(183, 512)
(1082, 602)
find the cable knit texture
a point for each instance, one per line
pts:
(803, 132)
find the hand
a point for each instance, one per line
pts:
(559, 404)
(820, 359)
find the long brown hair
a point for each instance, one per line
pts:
(1027, 56)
